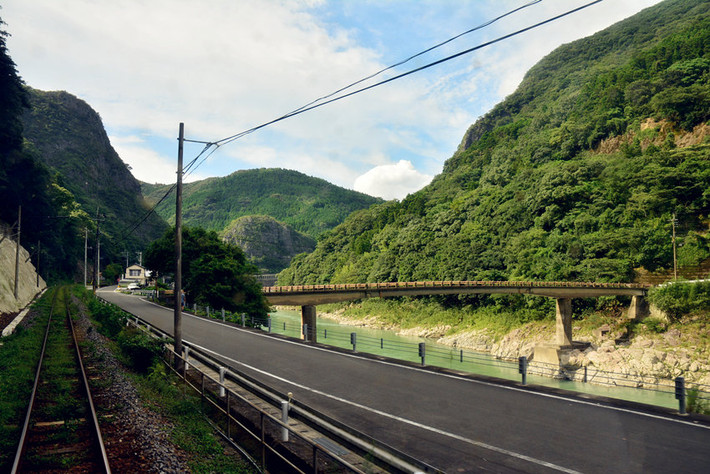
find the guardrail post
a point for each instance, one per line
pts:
(353, 340)
(461, 356)
(208, 311)
(222, 314)
(305, 332)
(422, 351)
(222, 371)
(268, 322)
(187, 358)
(244, 319)
(585, 374)
(680, 394)
(194, 308)
(325, 334)
(284, 418)
(382, 343)
(523, 368)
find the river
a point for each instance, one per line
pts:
(390, 344)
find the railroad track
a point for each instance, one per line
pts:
(61, 430)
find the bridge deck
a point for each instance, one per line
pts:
(321, 294)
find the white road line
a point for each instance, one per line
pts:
(395, 417)
(456, 377)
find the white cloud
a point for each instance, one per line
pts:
(146, 164)
(392, 181)
(224, 66)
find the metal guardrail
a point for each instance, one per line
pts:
(435, 356)
(269, 426)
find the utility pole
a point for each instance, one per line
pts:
(17, 250)
(86, 244)
(177, 317)
(675, 261)
(96, 264)
(39, 252)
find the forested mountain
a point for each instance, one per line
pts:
(575, 176)
(309, 205)
(68, 137)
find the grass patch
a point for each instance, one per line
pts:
(19, 355)
(498, 317)
(191, 433)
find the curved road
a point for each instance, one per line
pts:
(454, 423)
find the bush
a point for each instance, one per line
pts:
(111, 320)
(140, 349)
(678, 299)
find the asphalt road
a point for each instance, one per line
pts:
(454, 423)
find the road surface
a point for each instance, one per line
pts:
(454, 423)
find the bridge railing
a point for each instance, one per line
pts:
(446, 284)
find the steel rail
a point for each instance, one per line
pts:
(87, 389)
(96, 430)
(25, 427)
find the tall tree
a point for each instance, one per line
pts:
(214, 273)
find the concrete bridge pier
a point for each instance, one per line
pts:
(308, 316)
(639, 308)
(563, 322)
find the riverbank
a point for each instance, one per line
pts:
(652, 348)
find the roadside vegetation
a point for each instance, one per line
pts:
(140, 356)
(162, 391)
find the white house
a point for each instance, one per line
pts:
(138, 274)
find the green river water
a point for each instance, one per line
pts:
(389, 344)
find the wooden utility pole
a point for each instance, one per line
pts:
(675, 261)
(17, 250)
(39, 252)
(177, 317)
(86, 244)
(96, 264)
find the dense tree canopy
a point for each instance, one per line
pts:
(50, 214)
(214, 273)
(575, 176)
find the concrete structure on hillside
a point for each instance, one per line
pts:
(29, 284)
(309, 296)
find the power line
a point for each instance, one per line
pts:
(303, 109)
(328, 99)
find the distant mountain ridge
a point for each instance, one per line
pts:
(577, 175)
(309, 205)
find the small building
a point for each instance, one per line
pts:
(138, 274)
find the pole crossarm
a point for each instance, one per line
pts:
(323, 294)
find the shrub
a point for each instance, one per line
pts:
(678, 299)
(140, 349)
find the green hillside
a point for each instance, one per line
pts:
(309, 205)
(575, 176)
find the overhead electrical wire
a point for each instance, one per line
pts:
(303, 109)
(329, 98)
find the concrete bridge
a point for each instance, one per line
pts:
(309, 296)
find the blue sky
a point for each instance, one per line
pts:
(224, 66)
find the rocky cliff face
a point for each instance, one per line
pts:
(68, 136)
(27, 281)
(268, 243)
